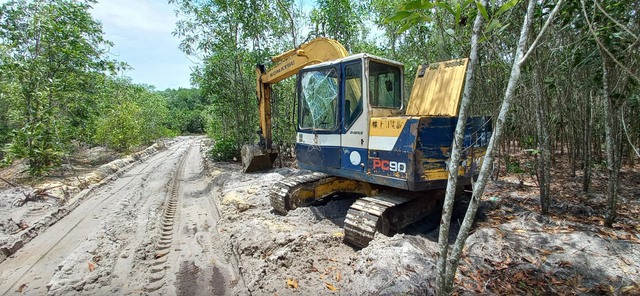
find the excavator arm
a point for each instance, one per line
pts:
(316, 51)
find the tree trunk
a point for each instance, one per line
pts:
(586, 159)
(612, 144)
(544, 163)
(444, 282)
(445, 286)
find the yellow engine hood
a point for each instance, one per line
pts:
(437, 88)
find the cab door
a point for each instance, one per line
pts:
(355, 126)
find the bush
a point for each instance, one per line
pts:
(224, 149)
(120, 129)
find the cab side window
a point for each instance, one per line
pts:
(384, 86)
(352, 93)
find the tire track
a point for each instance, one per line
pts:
(202, 261)
(164, 239)
(18, 268)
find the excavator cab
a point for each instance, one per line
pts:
(354, 123)
(336, 100)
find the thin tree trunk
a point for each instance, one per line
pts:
(520, 58)
(612, 138)
(444, 283)
(586, 162)
(612, 145)
(544, 164)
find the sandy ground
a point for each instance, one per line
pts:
(150, 229)
(170, 223)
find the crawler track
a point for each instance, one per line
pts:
(365, 218)
(282, 192)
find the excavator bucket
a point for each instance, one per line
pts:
(254, 158)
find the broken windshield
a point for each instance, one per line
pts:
(319, 94)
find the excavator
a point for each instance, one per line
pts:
(356, 136)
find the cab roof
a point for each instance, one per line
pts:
(355, 57)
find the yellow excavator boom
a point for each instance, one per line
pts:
(288, 64)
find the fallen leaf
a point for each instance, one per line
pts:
(159, 255)
(545, 252)
(531, 260)
(564, 264)
(291, 283)
(518, 276)
(91, 266)
(338, 234)
(543, 258)
(331, 287)
(338, 277)
(582, 289)
(21, 288)
(627, 288)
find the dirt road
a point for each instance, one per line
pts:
(151, 230)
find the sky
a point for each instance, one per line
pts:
(141, 31)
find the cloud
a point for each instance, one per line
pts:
(138, 15)
(141, 31)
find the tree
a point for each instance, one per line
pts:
(338, 19)
(131, 115)
(186, 107)
(231, 37)
(520, 57)
(614, 51)
(53, 50)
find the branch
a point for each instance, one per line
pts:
(9, 182)
(595, 37)
(624, 125)
(615, 21)
(542, 31)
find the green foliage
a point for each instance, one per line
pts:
(513, 165)
(338, 19)
(120, 128)
(131, 115)
(415, 13)
(51, 51)
(224, 149)
(235, 35)
(186, 108)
